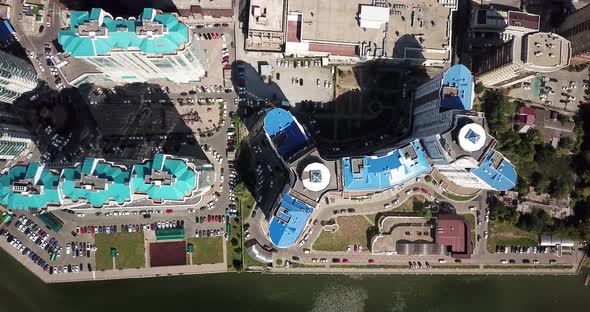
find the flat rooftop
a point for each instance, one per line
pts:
(333, 21)
(297, 165)
(266, 15)
(546, 50)
(372, 173)
(75, 68)
(418, 24)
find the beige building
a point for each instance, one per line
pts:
(265, 25)
(521, 58)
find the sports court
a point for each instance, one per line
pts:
(167, 254)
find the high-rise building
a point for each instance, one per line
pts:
(16, 77)
(154, 46)
(576, 29)
(437, 101)
(14, 138)
(521, 58)
(453, 137)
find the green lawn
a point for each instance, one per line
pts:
(207, 249)
(352, 230)
(509, 235)
(471, 220)
(129, 245)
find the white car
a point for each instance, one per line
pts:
(190, 210)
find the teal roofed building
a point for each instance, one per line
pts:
(97, 182)
(164, 178)
(30, 187)
(154, 46)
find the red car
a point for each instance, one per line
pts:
(217, 36)
(216, 218)
(356, 247)
(266, 247)
(424, 191)
(371, 261)
(169, 211)
(344, 260)
(93, 229)
(208, 218)
(227, 66)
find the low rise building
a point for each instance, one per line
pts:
(266, 25)
(417, 32)
(547, 122)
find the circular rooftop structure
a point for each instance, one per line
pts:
(315, 177)
(472, 137)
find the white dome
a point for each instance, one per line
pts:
(472, 137)
(317, 177)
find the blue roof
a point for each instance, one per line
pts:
(378, 173)
(6, 31)
(460, 77)
(284, 131)
(288, 222)
(501, 178)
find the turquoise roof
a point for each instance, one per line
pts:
(185, 178)
(38, 177)
(117, 37)
(116, 183)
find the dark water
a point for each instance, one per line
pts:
(21, 291)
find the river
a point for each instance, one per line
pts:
(21, 291)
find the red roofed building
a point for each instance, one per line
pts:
(454, 233)
(526, 116)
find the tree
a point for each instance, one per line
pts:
(234, 241)
(540, 182)
(500, 213)
(479, 88)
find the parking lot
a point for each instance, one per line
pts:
(309, 81)
(557, 91)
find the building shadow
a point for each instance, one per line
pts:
(131, 124)
(373, 116)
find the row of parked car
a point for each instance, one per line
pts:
(37, 235)
(70, 268)
(522, 249)
(210, 218)
(79, 249)
(24, 250)
(209, 233)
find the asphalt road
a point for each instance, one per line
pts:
(36, 42)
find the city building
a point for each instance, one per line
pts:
(154, 46)
(521, 58)
(576, 29)
(377, 173)
(14, 138)
(417, 32)
(16, 77)
(99, 183)
(453, 137)
(265, 25)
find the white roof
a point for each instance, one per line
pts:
(472, 137)
(373, 17)
(318, 177)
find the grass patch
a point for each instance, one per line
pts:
(528, 267)
(352, 230)
(235, 254)
(129, 245)
(455, 266)
(207, 249)
(471, 220)
(245, 200)
(509, 235)
(457, 197)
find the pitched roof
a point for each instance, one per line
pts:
(122, 34)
